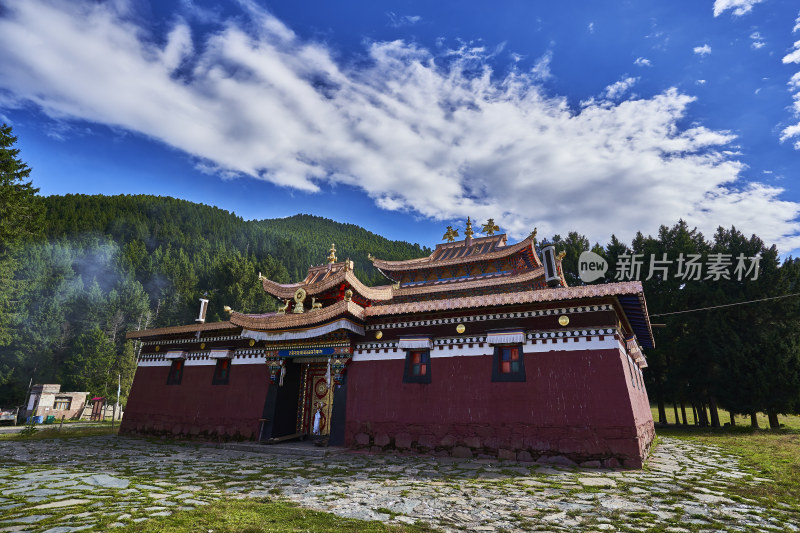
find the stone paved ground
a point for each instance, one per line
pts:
(82, 484)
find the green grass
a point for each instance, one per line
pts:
(791, 422)
(260, 516)
(53, 432)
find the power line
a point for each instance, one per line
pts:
(728, 305)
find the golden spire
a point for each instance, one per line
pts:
(490, 227)
(332, 255)
(532, 236)
(450, 235)
(468, 232)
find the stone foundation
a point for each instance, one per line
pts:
(603, 447)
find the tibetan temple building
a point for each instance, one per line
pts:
(479, 349)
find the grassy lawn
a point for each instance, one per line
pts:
(773, 454)
(257, 516)
(791, 422)
(53, 432)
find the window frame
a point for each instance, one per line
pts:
(61, 401)
(217, 380)
(425, 359)
(497, 360)
(173, 377)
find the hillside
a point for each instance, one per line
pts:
(104, 265)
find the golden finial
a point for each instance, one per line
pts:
(450, 235)
(332, 255)
(227, 309)
(561, 255)
(468, 232)
(532, 236)
(490, 227)
(370, 257)
(260, 277)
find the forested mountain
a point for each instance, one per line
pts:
(78, 271)
(102, 265)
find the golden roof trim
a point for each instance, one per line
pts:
(427, 262)
(211, 326)
(291, 320)
(287, 291)
(473, 284)
(491, 300)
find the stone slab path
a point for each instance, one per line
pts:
(96, 484)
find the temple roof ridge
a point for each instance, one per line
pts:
(463, 251)
(320, 279)
(276, 321)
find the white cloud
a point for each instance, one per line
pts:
(441, 136)
(398, 21)
(590, 27)
(617, 89)
(702, 50)
(541, 69)
(758, 40)
(793, 56)
(642, 62)
(700, 82)
(796, 24)
(739, 7)
(793, 131)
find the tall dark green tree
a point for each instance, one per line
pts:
(20, 217)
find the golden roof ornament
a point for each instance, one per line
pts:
(561, 255)
(532, 236)
(228, 309)
(468, 232)
(450, 235)
(490, 227)
(332, 255)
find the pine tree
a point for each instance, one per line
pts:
(20, 218)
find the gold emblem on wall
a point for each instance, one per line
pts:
(378, 335)
(158, 348)
(252, 342)
(202, 346)
(460, 328)
(563, 320)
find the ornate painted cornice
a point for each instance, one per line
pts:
(274, 321)
(188, 328)
(286, 291)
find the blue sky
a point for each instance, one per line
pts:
(404, 117)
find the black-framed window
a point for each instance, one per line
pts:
(418, 366)
(508, 363)
(222, 372)
(175, 372)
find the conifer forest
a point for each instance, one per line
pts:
(77, 272)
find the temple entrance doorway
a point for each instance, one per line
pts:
(316, 396)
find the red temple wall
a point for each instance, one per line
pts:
(195, 407)
(579, 404)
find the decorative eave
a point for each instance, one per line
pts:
(429, 262)
(287, 291)
(530, 275)
(274, 321)
(174, 330)
(629, 294)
